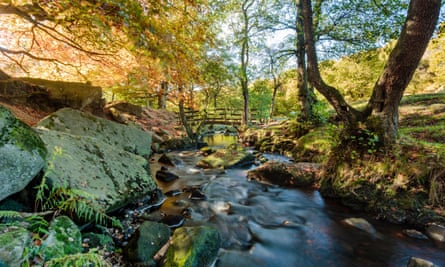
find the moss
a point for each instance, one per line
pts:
(17, 132)
(193, 247)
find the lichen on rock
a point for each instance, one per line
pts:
(22, 154)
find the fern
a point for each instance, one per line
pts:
(73, 202)
(37, 225)
(92, 258)
(10, 214)
(41, 194)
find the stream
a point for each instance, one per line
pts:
(266, 225)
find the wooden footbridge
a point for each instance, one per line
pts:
(226, 116)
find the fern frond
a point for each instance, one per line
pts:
(10, 214)
(38, 225)
(91, 258)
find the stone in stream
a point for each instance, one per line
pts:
(226, 158)
(149, 238)
(414, 234)
(164, 159)
(193, 246)
(197, 195)
(363, 225)
(166, 176)
(436, 232)
(418, 262)
(285, 174)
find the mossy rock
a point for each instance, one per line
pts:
(13, 241)
(226, 158)
(316, 145)
(101, 241)
(285, 174)
(74, 122)
(111, 177)
(148, 240)
(22, 154)
(193, 247)
(64, 238)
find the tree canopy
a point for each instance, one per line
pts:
(141, 48)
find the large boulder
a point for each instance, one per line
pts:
(193, 247)
(285, 174)
(128, 138)
(22, 154)
(113, 176)
(83, 96)
(148, 240)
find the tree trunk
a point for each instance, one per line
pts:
(276, 86)
(244, 56)
(184, 121)
(162, 96)
(346, 112)
(419, 26)
(276, 83)
(402, 63)
(303, 91)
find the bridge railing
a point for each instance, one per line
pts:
(228, 116)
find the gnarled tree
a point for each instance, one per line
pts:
(419, 26)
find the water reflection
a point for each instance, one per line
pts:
(220, 140)
(263, 225)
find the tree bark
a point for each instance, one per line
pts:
(162, 96)
(244, 56)
(402, 63)
(183, 117)
(304, 95)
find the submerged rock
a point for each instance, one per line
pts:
(147, 241)
(285, 174)
(193, 246)
(22, 154)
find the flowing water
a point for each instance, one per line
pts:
(264, 225)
